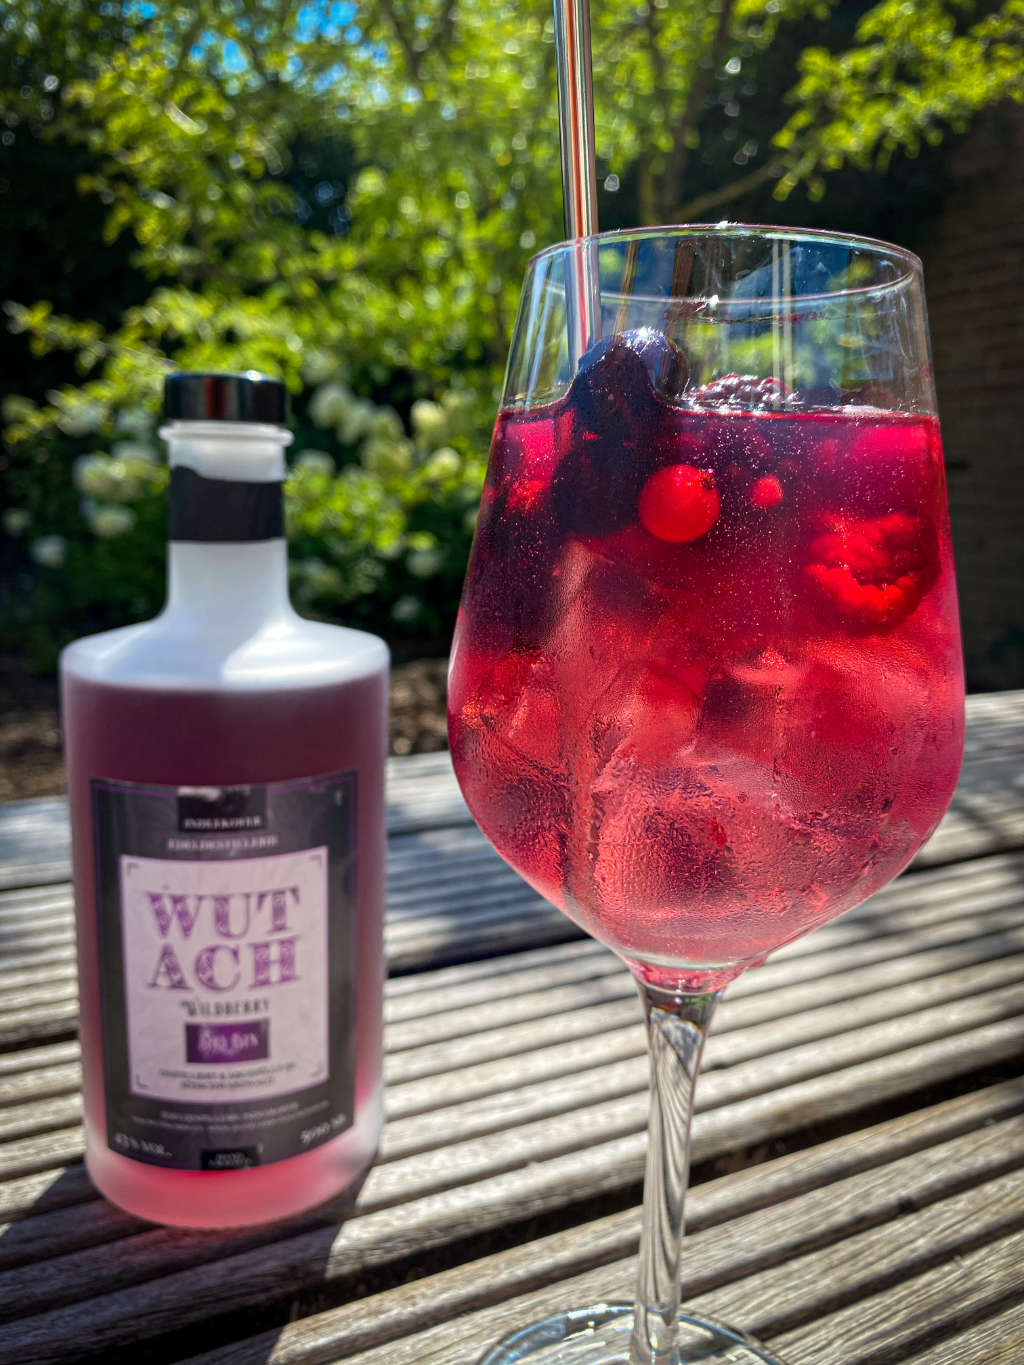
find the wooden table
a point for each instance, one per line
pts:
(859, 1145)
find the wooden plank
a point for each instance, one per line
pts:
(16, 979)
(736, 1063)
(968, 1281)
(998, 1340)
(29, 1059)
(971, 1157)
(932, 900)
(816, 971)
(847, 972)
(921, 986)
(29, 994)
(61, 1230)
(35, 846)
(934, 908)
(38, 1084)
(34, 841)
(413, 1213)
(986, 816)
(39, 1116)
(594, 1053)
(42, 1236)
(587, 1023)
(743, 1059)
(926, 899)
(809, 1228)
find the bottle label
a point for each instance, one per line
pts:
(223, 510)
(227, 938)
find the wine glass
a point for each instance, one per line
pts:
(706, 688)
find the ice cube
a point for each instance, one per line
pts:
(747, 707)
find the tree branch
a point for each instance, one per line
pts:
(409, 51)
(445, 26)
(771, 170)
(695, 97)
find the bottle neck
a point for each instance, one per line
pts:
(233, 588)
(227, 558)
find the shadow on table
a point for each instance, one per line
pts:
(81, 1280)
(986, 815)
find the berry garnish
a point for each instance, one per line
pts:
(744, 391)
(679, 503)
(615, 419)
(596, 484)
(612, 394)
(872, 572)
(766, 492)
(664, 361)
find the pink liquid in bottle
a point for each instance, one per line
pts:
(168, 738)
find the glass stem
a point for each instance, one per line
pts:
(677, 1028)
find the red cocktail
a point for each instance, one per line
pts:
(718, 704)
(706, 690)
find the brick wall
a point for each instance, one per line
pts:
(974, 277)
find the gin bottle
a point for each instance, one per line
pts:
(226, 781)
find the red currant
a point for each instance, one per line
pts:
(767, 492)
(679, 503)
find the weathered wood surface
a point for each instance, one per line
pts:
(892, 1232)
(494, 1123)
(987, 813)
(769, 1248)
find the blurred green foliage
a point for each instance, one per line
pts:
(345, 195)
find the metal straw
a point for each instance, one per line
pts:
(579, 170)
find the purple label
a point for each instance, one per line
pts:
(249, 1042)
(227, 914)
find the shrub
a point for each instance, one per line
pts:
(379, 519)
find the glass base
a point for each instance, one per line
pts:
(601, 1336)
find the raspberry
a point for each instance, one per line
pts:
(767, 492)
(873, 571)
(679, 503)
(741, 391)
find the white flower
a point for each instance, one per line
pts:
(108, 520)
(319, 579)
(319, 366)
(355, 422)
(328, 405)
(443, 464)
(385, 424)
(79, 418)
(91, 474)
(424, 563)
(134, 450)
(386, 456)
(130, 478)
(49, 551)
(16, 520)
(315, 462)
(406, 610)
(137, 422)
(429, 422)
(460, 408)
